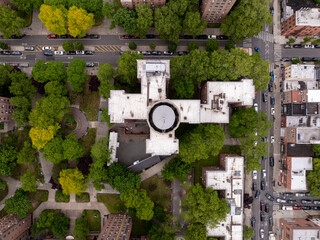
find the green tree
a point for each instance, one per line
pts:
(68, 46)
(176, 169)
(100, 150)
(57, 3)
(193, 24)
(204, 206)
(291, 41)
(158, 233)
(22, 109)
(29, 183)
(144, 19)
(45, 219)
(4, 46)
(57, 168)
(122, 179)
(23, 6)
(79, 21)
(56, 88)
(172, 47)
(126, 19)
(72, 181)
(5, 71)
(193, 46)
(78, 46)
(127, 67)
(308, 39)
(8, 158)
(229, 46)
(81, 230)
(196, 232)
(51, 71)
(316, 149)
(10, 23)
(152, 47)
(54, 18)
(92, 6)
(71, 148)
(3, 184)
(37, 3)
(76, 74)
(60, 226)
(246, 20)
(18, 204)
(248, 232)
(53, 150)
(259, 72)
(296, 61)
(212, 45)
(105, 75)
(98, 173)
(21, 85)
(132, 45)
(108, 10)
(313, 178)
(27, 153)
(139, 200)
(204, 141)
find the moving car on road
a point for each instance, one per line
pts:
(48, 53)
(257, 49)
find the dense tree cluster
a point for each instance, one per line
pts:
(196, 232)
(72, 181)
(8, 158)
(29, 182)
(19, 204)
(10, 22)
(76, 74)
(313, 178)
(176, 169)
(105, 75)
(248, 232)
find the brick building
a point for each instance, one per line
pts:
(131, 4)
(298, 228)
(304, 22)
(6, 110)
(14, 228)
(215, 11)
(117, 227)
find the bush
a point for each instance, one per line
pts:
(152, 47)
(112, 25)
(3, 184)
(212, 45)
(229, 46)
(307, 39)
(60, 197)
(291, 41)
(4, 45)
(78, 45)
(172, 47)
(296, 61)
(68, 46)
(316, 41)
(132, 46)
(193, 46)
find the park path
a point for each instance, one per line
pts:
(13, 185)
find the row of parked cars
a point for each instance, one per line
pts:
(303, 59)
(180, 53)
(10, 53)
(151, 36)
(302, 46)
(60, 53)
(55, 36)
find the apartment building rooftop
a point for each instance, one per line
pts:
(308, 17)
(292, 85)
(299, 166)
(113, 145)
(300, 72)
(313, 96)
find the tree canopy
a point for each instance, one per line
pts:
(212, 45)
(60, 226)
(98, 172)
(76, 74)
(72, 149)
(81, 230)
(79, 21)
(100, 150)
(105, 75)
(204, 141)
(193, 24)
(204, 206)
(144, 19)
(51, 71)
(313, 178)
(72, 181)
(196, 232)
(126, 19)
(8, 158)
(316, 149)
(19, 204)
(122, 179)
(29, 183)
(54, 18)
(247, 19)
(10, 22)
(248, 232)
(53, 150)
(176, 169)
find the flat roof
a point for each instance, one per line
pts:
(113, 145)
(144, 164)
(163, 117)
(303, 150)
(306, 234)
(189, 110)
(313, 95)
(162, 144)
(308, 135)
(299, 166)
(303, 121)
(301, 72)
(292, 85)
(309, 17)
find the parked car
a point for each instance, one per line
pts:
(14, 64)
(271, 159)
(272, 100)
(269, 197)
(306, 201)
(90, 64)
(212, 36)
(264, 158)
(287, 46)
(146, 52)
(187, 37)
(80, 52)
(71, 52)
(28, 48)
(280, 200)
(315, 59)
(286, 59)
(297, 46)
(180, 53)
(257, 49)
(272, 141)
(257, 194)
(254, 186)
(271, 221)
(272, 111)
(306, 208)
(265, 97)
(297, 208)
(308, 194)
(58, 52)
(156, 53)
(272, 76)
(46, 48)
(264, 173)
(88, 52)
(317, 46)
(308, 46)
(16, 53)
(265, 139)
(23, 64)
(267, 208)
(18, 36)
(262, 206)
(48, 53)
(256, 107)
(253, 222)
(263, 185)
(287, 208)
(262, 216)
(271, 11)
(292, 201)
(306, 59)
(93, 36)
(64, 36)
(167, 53)
(261, 233)
(254, 174)
(300, 194)
(6, 52)
(121, 52)
(288, 194)
(202, 37)
(315, 208)
(52, 36)
(270, 87)
(222, 37)
(150, 36)
(316, 201)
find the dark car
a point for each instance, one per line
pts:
(48, 53)
(288, 194)
(269, 197)
(271, 161)
(150, 36)
(306, 208)
(90, 64)
(267, 208)
(270, 87)
(222, 37)
(156, 53)
(263, 185)
(262, 216)
(64, 36)
(253, 222)
(265, 97)
(271, 11)
(264, 158)
(202, 37)
(167, 53)
(257, 194)
(315, 208)
(93, 36)
(262, 206)
(308, 194)
(315, 59)
(306, 59)
(297, 46)
(272, 100)
(292, 201)
(88, 52)
(317, 46)
(254, 186)
(180, 53)
(270, 221)
(71, 52)
(306, 201)
(187, 37)
(17, 36)
(6, 52)
(16, 53)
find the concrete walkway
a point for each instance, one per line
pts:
(46, 168)
(82, 121)
(13, 185)
(155, 169)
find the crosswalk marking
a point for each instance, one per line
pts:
(265, 36)
(107, 48)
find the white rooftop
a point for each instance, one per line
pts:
(113, 145)
(303, 121)
(231, 180)
(293, 85)
(309, 17)
(305, 234)
(299, 166)
(313, 95)
(300, 72)
(308, 135)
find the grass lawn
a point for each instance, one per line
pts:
(90, 102)
(212, 161)
(139, 227)
(21, 169)
(83, 197)
(60, 197)
(158, 190)
(15, 138)
(38, 197)
(92, 219)
(3, 193)
(88, 140)
(112, 202)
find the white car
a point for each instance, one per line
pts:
(46, 48)
(212, 36)
(255, 174)
(272, 111)
(272, 139)
(264, 173)
(256, 107)
(261, 233)
(79, 52)
(58, 52)
(280, 200)
(309, 46)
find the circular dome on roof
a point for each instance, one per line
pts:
(163, 117)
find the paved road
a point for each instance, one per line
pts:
(300, 52)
